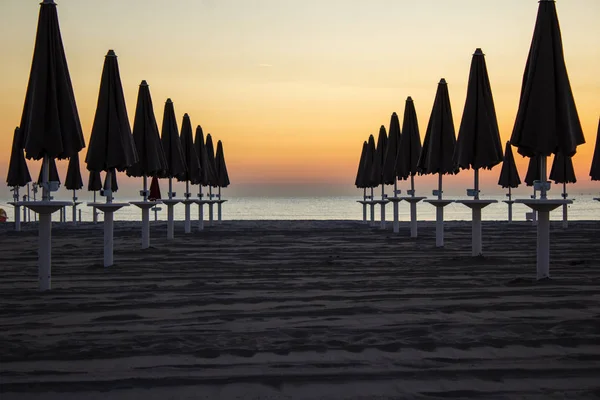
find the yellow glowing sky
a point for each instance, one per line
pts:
(293, 87)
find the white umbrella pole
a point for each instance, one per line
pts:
(28, 210)
(219, 205)
(413, 209)
(108, 223)
(17, 209)
(534, 213)
(364, 206)
(210, 206)
(145, 219)
(476, 248)
(382, 205)
(396, 224)
(74, 206)
(170, 216)
(372, 208)
(439, 217)
(543, 230)
(45, 233)
(188, 223)
(565, 223)
(200, 209)
(509, 205)
(95, 213)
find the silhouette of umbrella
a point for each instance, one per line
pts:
(531, 176)
(547, 121)
(18, 174)
(52, 173)
(174, 159)
(111, 146)
(408, 157)
(390, 171)
(73, 181)
(222, 176)
(94, 184)
(114, 185)
(359, 182)
(212, 175)
(509, 176)
(192, 167)
(151, 158)
(205, 173)
(478, 143)
(562, 172)
(377, 170)
(595, 168)
(368, 180)
(49, 124)
(437, 152)
(154, 195)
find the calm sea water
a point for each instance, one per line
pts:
(339, 208)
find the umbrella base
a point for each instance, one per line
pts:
(413, 200)
(145, 206)
(395, 201)
(476, 206)
(439, 219)
(108, 209)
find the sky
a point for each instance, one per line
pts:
(293, 87)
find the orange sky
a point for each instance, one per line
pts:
(293, 87)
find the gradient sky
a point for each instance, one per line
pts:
(293, 87)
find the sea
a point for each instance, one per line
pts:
(584, 207)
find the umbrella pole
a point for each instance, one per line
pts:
(108, 223)
(200, 209)
(543, 230)
(382, 205)
(413, 209)
(95, 213)
(188, 227)
(170, 216)
(364, 206)
(219, 205)
(439, 218)
(396, 224)
(509, 205)
(565, 223)
(28, 199)
(17, 209)
(145, 219)
(74, 206)
(372, 208)
(210, 206)
(45, 233)
(476, 248)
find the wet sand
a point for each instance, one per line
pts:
(301, 310)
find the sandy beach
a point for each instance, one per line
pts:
(301, 310)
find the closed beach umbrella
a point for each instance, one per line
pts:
(111, 142)
(222, 175)
(509, 176)
(478, 143)
(52, 173)
(377, 171)
(595, 168)
(408, 158)
(359, 182)
(390, 172)
(533, 171)
(73, 181)
(368, 167)
(18, 174)
(212, 175)
(562, 172)
(114, 185)
(192, 167)
(205, 173)
(94, 182)
(50, 123)
(437, 152)
(151, 157)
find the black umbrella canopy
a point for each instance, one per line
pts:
(50, 123)
(359, 181)
(206, 171)
(595, 169)
(547, 121)
(18, 173)
(111, 143)
(171, 144)
(73, 180)
(190, 158)
(533, 171)
(391, 152)
(410, 143)
(478, 144)
(368, 163)
(562, 169)
(114, 186)
(221, 172)
(377, 169)
(212, 164)
(439, 142)
(151, 157)
(52, 173)
(94, 181)
(509, 175)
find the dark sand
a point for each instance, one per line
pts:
(302, 310)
